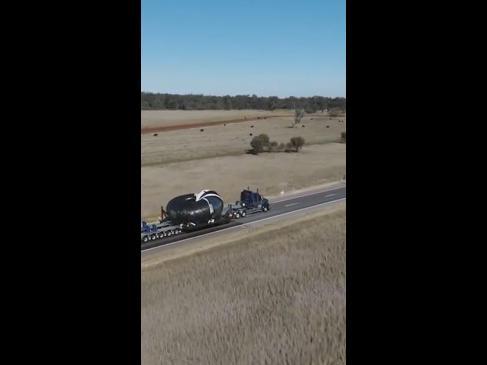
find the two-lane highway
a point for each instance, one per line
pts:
(279, 207)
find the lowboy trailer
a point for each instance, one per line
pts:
(192, 212)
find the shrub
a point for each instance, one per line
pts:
(260, 142)
(256, 144)
(264, 138)
(297, 143)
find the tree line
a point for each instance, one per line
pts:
(156, 101)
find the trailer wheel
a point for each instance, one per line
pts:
(145, 239)
(264, 209)
(153, 237)
(161, 235)
(243, 214)
(237, 215)
(169, 233)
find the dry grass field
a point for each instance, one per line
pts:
(187, 160)
(270, 172)
(274, 298)
(232, 139)
(162, 118)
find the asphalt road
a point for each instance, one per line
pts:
(278, 207)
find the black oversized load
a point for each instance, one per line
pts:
(196, 210)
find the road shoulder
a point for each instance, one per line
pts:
(160, 255)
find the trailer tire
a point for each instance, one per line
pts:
(145, 239)
(243, 214)
(265, 209)
(153, 237)
(237, 215)
(169, 233)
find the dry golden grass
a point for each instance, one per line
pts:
(232, 139)
(270, 172)
(276, 298)
(187, 160)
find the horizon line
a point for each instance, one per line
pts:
(259, 96)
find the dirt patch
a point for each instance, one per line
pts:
(197, 125)
(163, 118)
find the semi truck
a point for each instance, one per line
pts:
(250, 202)
(191, 212)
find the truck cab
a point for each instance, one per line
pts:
(250, 202)
(252, 199)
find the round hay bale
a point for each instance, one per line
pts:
(201, 130)
(251, 126)
(155, 134)
(250, 134)
(327, 126)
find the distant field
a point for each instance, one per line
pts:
(276, 298)
(161, 118)
(270, 172)
(234, 139)
(188, 160)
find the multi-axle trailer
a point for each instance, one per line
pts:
(192, 212)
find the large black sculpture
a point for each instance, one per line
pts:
(198, 210)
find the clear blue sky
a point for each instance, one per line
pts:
(263, 47)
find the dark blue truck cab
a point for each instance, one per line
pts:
(250, 202)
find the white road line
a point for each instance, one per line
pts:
(246, 224)
(290, 204)
(291, 197)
